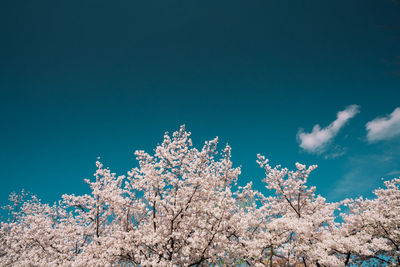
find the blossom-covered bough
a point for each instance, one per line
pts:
(182, 207)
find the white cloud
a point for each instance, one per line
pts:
(316, 141)
(384, 127)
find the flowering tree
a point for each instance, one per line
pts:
(177, 207)
(296, 222)
(36, 234)
(371, 231)
(181, 207)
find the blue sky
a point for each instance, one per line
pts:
(80, 80)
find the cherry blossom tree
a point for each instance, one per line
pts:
(177, 207)
(37, 234)
(371, 230)
(297, 222)
(181, 206)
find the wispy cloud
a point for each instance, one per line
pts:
(318, 139)
(393, 173)
(384, 128)
(364, 173)
(335, 152)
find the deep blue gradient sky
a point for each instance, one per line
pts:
(81, 79)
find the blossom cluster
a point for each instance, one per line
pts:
(182, 207)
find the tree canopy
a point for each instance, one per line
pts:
(182, 207)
